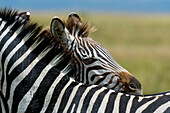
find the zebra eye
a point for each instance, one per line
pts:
(83, 52)
(89, 60)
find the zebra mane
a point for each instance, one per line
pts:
(8, 13)
(35, 31)
(74, 24)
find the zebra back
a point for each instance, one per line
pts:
(77, 97)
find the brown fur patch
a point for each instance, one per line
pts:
(125, 77)
(128, 79)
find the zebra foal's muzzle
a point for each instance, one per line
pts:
(130, 84)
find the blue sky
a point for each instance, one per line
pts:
(151, 6)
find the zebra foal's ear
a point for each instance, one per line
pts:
(58, 30)
(73, 21)
(74, 18)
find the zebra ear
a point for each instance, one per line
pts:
(58, 30)
(23, 17)
(73, 21)
(74, 17)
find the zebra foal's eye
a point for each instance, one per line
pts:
(89, 60)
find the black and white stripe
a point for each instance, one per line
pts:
(3, 104)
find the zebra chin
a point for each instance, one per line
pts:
(126, 89)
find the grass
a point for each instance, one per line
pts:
(140, 43)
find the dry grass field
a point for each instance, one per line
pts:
(139, 43)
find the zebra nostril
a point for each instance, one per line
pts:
(132, 86)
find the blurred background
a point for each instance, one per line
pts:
(137, 33)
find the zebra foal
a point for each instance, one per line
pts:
(94, 64)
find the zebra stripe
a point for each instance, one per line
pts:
(163, 107)
(94, 97)
(71, 97)
(7, 30)
(2, 24)
(82, 99)
(3, 104)
(105, 101)
(117, 103)
(143, 107)
(130, 102)
(58, 103)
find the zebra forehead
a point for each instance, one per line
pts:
(100, 48)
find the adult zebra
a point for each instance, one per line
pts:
(34, 79)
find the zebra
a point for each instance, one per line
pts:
(94, 64)
(37, 76)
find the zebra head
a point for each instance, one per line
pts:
(95, 65)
